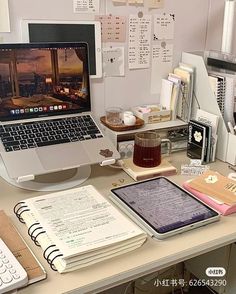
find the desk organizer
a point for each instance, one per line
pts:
(153, 116)
(226, 150)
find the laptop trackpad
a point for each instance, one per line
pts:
(62, 156)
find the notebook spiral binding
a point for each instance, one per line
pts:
(20, 208)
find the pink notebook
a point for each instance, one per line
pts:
(224, 209)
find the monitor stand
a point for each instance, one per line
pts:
(55, 181)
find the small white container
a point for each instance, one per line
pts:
(129, 119)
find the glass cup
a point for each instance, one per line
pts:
(147, 149)
(114, 116)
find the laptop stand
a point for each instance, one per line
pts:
(55, 181)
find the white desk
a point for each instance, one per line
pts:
(152, 256)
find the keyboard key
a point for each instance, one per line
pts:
(48, 143)
(2, 270)
(23, 142)
(7, 139)
(10, 144)
(5, 260)
(6, 278)
(16, 276)
(3, 135)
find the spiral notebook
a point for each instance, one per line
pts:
(218, 83)
(78, 227)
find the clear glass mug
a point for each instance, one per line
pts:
(114, 116)
(147, 149)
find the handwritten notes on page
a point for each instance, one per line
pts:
(163, 27)
(86, 6)
(113, 28)
(162, 56)
(113, 61)
(139, 41)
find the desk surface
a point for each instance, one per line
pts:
(152, 256)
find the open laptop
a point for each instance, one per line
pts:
(45, 106)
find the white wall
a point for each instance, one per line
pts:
(198, 25)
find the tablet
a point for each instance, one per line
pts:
(162, 208)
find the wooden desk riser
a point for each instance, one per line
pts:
(152, 256)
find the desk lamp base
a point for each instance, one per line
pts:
(55, 181)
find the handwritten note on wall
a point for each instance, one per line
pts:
(163, 27)
(139, 41)
(113, 28)
(4, 16)
(86, 6)
(162, 57)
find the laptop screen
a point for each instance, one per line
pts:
(43, 79)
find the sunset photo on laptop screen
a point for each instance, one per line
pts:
(39, 80)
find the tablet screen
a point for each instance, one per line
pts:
(163, 205)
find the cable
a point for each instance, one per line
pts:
(127, 287)
(198, 104)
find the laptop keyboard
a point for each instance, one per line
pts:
(48, 132)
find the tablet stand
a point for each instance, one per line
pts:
(55, 181)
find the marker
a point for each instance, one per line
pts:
(231, 129)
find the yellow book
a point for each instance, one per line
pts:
(216, 185)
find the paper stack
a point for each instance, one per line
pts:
(78, 227)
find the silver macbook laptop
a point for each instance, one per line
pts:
(46, 124)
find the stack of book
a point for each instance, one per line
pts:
(223, 86)
(215, 190)
(186, 73)
(78, 227)
(177, 91)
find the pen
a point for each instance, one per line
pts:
(231, 128)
